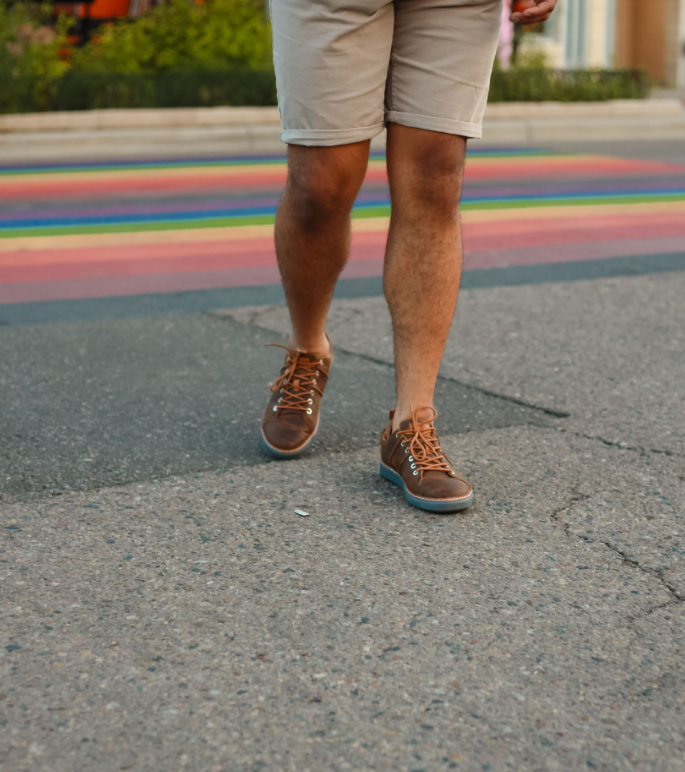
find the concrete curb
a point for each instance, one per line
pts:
(239, 130)
(99, 120)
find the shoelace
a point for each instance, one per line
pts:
(298, 381)
(424, 445)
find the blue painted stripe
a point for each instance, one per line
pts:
(257, 211)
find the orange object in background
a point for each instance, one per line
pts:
(104, 9)
(522, 5)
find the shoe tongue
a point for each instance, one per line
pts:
(423, 414)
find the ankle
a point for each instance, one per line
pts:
(319, 346)
(404, 412)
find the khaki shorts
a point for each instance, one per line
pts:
(345, 68)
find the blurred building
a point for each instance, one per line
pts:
(645, 34)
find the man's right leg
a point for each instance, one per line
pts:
(313, 233)
(312, 243)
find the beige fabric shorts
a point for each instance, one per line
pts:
(344, 68)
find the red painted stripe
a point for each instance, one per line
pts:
(573, 232)
(144, 262)
(184, 257)
(149, 181)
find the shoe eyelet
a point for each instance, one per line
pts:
(309, 411)
(406, 450)
(317, 373)
(275, 408)
(415, 473)
(312, 392)
(310, 401)
(321, 361)
(411, 458)
(413, 466)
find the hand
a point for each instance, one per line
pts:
(537, 11)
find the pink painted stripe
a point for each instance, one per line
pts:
(371, 265)
(198, 257)
(561, 253)
(201, 261)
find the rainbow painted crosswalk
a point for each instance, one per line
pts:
(99, 230)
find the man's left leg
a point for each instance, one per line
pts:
(421, 281)
(423, 256)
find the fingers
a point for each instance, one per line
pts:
(538, 13)
(519, 18)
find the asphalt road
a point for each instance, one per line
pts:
(104, 403)
(164, 607)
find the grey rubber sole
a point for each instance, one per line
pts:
(430, 505)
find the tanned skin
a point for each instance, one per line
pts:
(423, 257)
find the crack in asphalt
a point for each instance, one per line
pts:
(254, 321)
(657, 573)
(470, 386)
(625, 446)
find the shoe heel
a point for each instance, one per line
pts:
(390, 475)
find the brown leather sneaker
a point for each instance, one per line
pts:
(292, 416)
(413, 459)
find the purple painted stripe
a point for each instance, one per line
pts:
(159, 206)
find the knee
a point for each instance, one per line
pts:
(321, 192)
(434, 177)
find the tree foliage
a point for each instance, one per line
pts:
(180, 35)
(29, 45)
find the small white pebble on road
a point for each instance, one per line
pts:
(301, 513)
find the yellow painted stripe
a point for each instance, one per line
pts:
(94, 240)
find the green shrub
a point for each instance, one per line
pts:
(180, 36)
(526, 83)
(209, 88)
(219, 53)
(29, 55)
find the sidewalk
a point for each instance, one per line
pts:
(228, 131)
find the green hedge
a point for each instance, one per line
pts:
(85, 91)
(92, 91)
(543, 84)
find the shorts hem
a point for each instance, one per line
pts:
(330, 137)
(443, 125)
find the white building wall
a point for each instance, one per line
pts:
(600, 31)
(579, 34)
(680, 68)
(582, 33)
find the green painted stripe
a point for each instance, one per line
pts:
(573, 201)
(357, 214)
(139, 167)
(222, 222)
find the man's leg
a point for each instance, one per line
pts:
(312, 243)
(313, 233)
(421, 280)
(423, 257)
